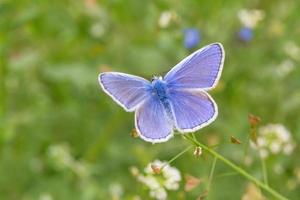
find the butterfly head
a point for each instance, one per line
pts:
(154, 78)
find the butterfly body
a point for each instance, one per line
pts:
(161, 92)
(176, 101)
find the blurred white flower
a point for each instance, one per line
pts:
(45, 196)
(159, 177)
(150, 181)
(172, 177)
(116, 191)
(285, 67)
(159, 194)
(62, 159)
(250, 17)
(252, 193)
(97, 30)
(60, 156)
(273, 139)
(166, 18)
(292, 50)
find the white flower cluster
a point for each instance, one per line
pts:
(250, 18)
(159, 176)
(273, 139)
(116, 190)
(61, 158)
(292, 50)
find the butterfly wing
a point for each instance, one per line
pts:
(152, 121)
(192, 110)
(127, 90)
(200, 70)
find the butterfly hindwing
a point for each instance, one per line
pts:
(192, 110)
(200, 70)
(152, 121)
(127, 90)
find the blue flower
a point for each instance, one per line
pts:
(245, 34)
(192, 38)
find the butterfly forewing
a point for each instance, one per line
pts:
(127, 90)
(200, 70)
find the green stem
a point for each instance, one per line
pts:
(237, 169)
(227, 174)
(211, 173)
(246, 148)
(177, 156)
(264, 170)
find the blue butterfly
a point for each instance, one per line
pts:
(177, 101)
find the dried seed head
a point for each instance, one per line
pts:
(253, 120)
(191, 182)
(234, 140)
(198, 152)
(156, 169)
(134, 133)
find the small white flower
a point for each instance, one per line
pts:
(165, 18)
(263, 153)
(97, 30)
(292, 50)
(159, 194)
(150, 181)
(273, 139)
(45, 196)
(62, 159)
(60, 156)
(159, 176)
(261, 141)
(288, 149)
(250, 18)
(116, 190)
(172, 176)
(285, 68)
(275, 148)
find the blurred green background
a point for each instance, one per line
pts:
(61, 137)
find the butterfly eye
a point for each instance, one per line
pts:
(153, 78)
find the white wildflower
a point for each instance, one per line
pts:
(159, 194)
(116, 190)
(288, 149)
(97, 30)
(60, 156)
(292, 50)
(263, 153)
(150, 181)
(159, 177)
(172, 177)
(45, 196)
(273, 139)
(62, 159)
(166, 18)
(285, 67)
(250, 18)
(81, 169)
